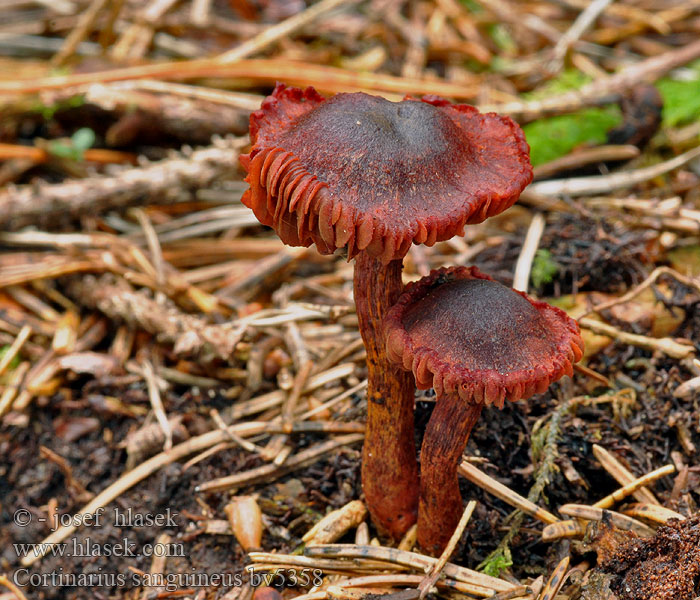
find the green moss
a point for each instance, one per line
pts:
(544, 268)
(496, 562)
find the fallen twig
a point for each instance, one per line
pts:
(13, 350)
(556, 580)
(600, 184)
(591, 513)
(40, 155)
(503, 492)
(648, 282)
(280, 30)
(584, 157)
(324, 78)
(633, 486)
(9, 584)
(579, 26)
(666, 345)
(190, 335)
(622, 475)
(523, 266)
(266, 472)
(162, 181)
(336, 523)
(604, 90)
(651, 512)
(483, 584)
(429, 581)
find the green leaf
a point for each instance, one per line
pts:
(681, 97)
(74, 149)
(83, 139)
(686, 260)
(553, 137)
(544, 268)
(63, 150)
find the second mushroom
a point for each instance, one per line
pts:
(476, 342)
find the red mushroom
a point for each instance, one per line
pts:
(476, 342)
(360, 173)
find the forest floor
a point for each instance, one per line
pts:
(152, 333)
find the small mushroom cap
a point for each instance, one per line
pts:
(462, 333)
(361, 172)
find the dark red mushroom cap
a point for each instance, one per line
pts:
(361, 172)
(462, 333)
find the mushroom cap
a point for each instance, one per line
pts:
(361, 172)
(465, 334)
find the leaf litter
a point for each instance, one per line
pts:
(142, 308)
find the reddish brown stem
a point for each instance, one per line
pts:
(445, 437)
(389, 468)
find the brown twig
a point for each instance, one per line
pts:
(302, 459)
(482, 583)
(189, 334)
(665, 345)
(602, 91)
(635, 485)
(622, 475)
(648, 282)
(324, 78)
(503, 492)
(556, 580)
(591, 513)
(600, 184)
(429, 581)
(80, 32)
(585, 157)
(281, 30)
(40, 155)
(9, 584)
(161, 181)
(523, 266)
(15, 348)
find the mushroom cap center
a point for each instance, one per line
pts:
(382, 150)
(481, 325)
(360, 122)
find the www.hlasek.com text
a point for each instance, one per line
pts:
(88, 548)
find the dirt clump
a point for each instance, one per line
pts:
(664, 567)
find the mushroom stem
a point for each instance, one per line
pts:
(445, 437)
(389, 467)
